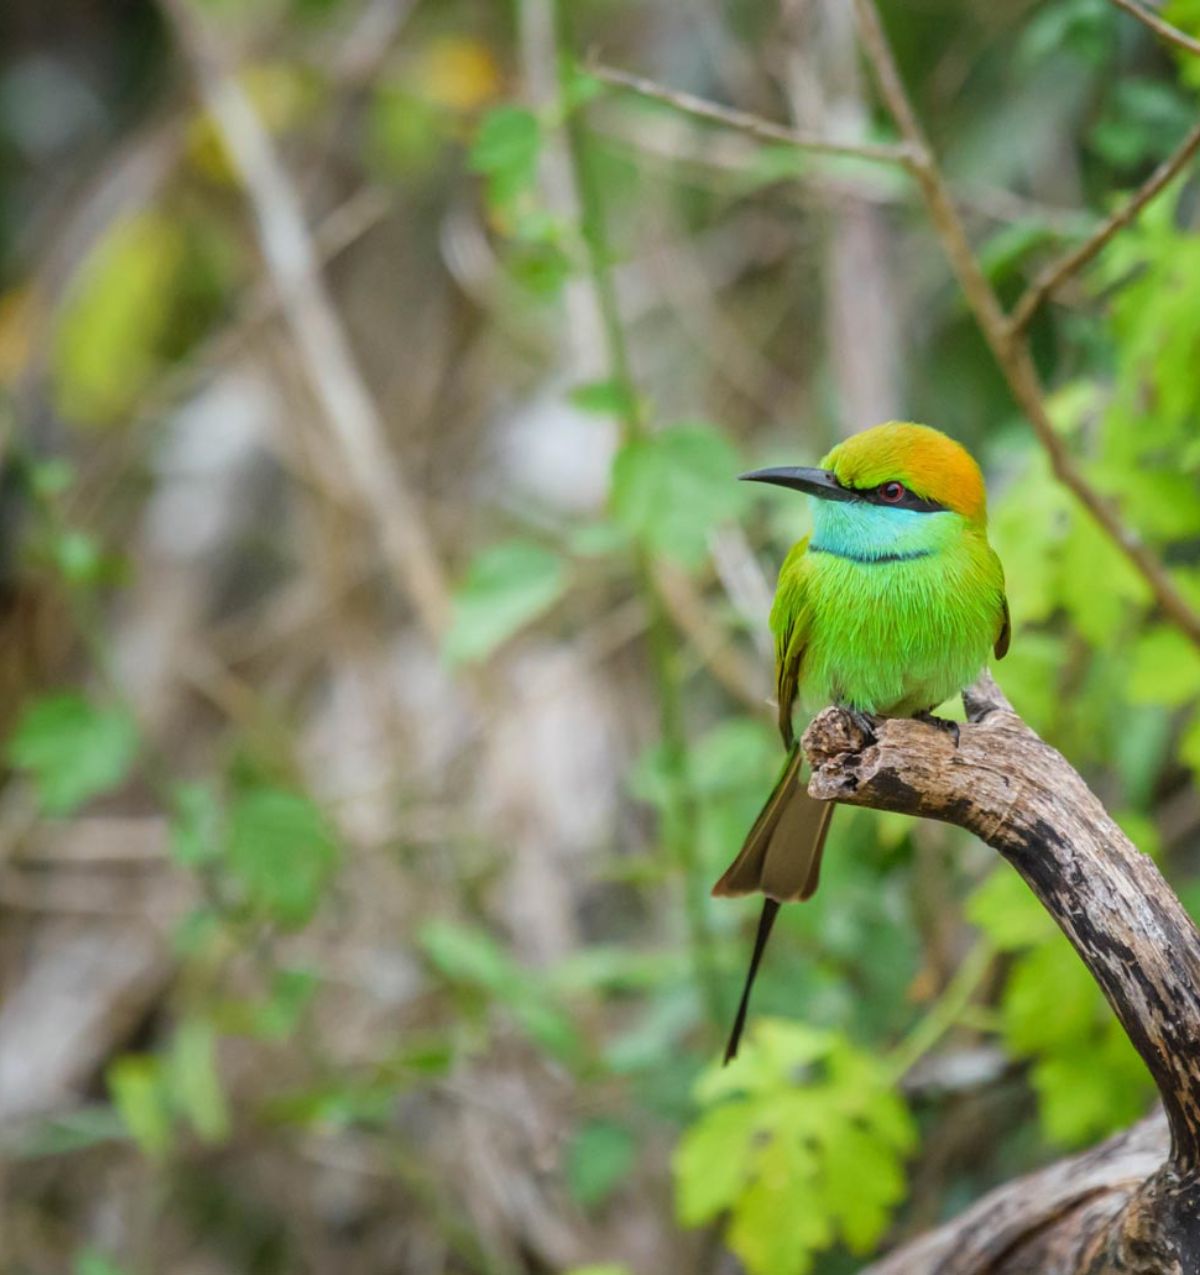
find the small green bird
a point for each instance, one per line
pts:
(889, 607)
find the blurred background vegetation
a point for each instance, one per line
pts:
(384, 662)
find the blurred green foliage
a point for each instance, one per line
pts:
(801, 1152)
(798, 1115)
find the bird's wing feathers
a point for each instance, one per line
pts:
(789, 623)
(781, 856)
(1005, 634)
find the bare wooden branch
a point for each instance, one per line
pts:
(1011, 351)
(1002, 782)
(744, 122)
(1038, 1222)
(1050, 279)
(1164, 30)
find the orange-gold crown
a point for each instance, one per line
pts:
(925, 460)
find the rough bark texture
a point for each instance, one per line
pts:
(1122, 1207)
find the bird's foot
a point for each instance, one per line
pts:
(942, 723)
(866, 724)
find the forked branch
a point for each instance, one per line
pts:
(1005, 334)
(1016, 793)
(1008, 345)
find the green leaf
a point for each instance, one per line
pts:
(1090, 1092)
(1049, 1000)
(72, 750)
(672, 489)
(195, 1084)
(50, 478)
(1008, 912)
(282, 853)
(580, 86)
(767, 1230)
(292, 992)
(800, 1143)
(112, 329)
(469, 956)
(1082, 27)
(739, 754)
(1143, 121)
(712, 1165)
(1166, 668)
(196, 827)
(508, 138)
(541, 268)
(139, 1094)
(603, 398)
(92, 1262)
(599, 1157)
(79, 557)
(466, 954)
(1009, 246)
(506, 587)
(1087, 555)
(506, 151)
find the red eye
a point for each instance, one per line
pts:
(891, 493)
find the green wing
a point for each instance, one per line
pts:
(789, 623)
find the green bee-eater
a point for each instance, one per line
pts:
(889, 607)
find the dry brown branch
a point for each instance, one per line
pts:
(1000, 781)
(352, 417)
(1050, 279)
(1164, 30)
(1002, 1224)
(1010, 349)
(744, 122)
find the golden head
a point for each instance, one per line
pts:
(927, 462)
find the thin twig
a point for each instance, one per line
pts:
(353, 419)
(1011, 351)
(1050, 279)
(1160, 28)
(744, 122)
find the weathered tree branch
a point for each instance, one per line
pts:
(1006, 785)
(1040, 1223)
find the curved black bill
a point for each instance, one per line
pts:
(814, 482)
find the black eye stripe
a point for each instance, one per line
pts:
(910, 500)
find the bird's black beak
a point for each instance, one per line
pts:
(814, 482)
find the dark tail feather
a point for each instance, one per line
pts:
(781, 857)
(765, 922)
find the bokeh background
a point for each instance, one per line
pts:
(384, 671)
